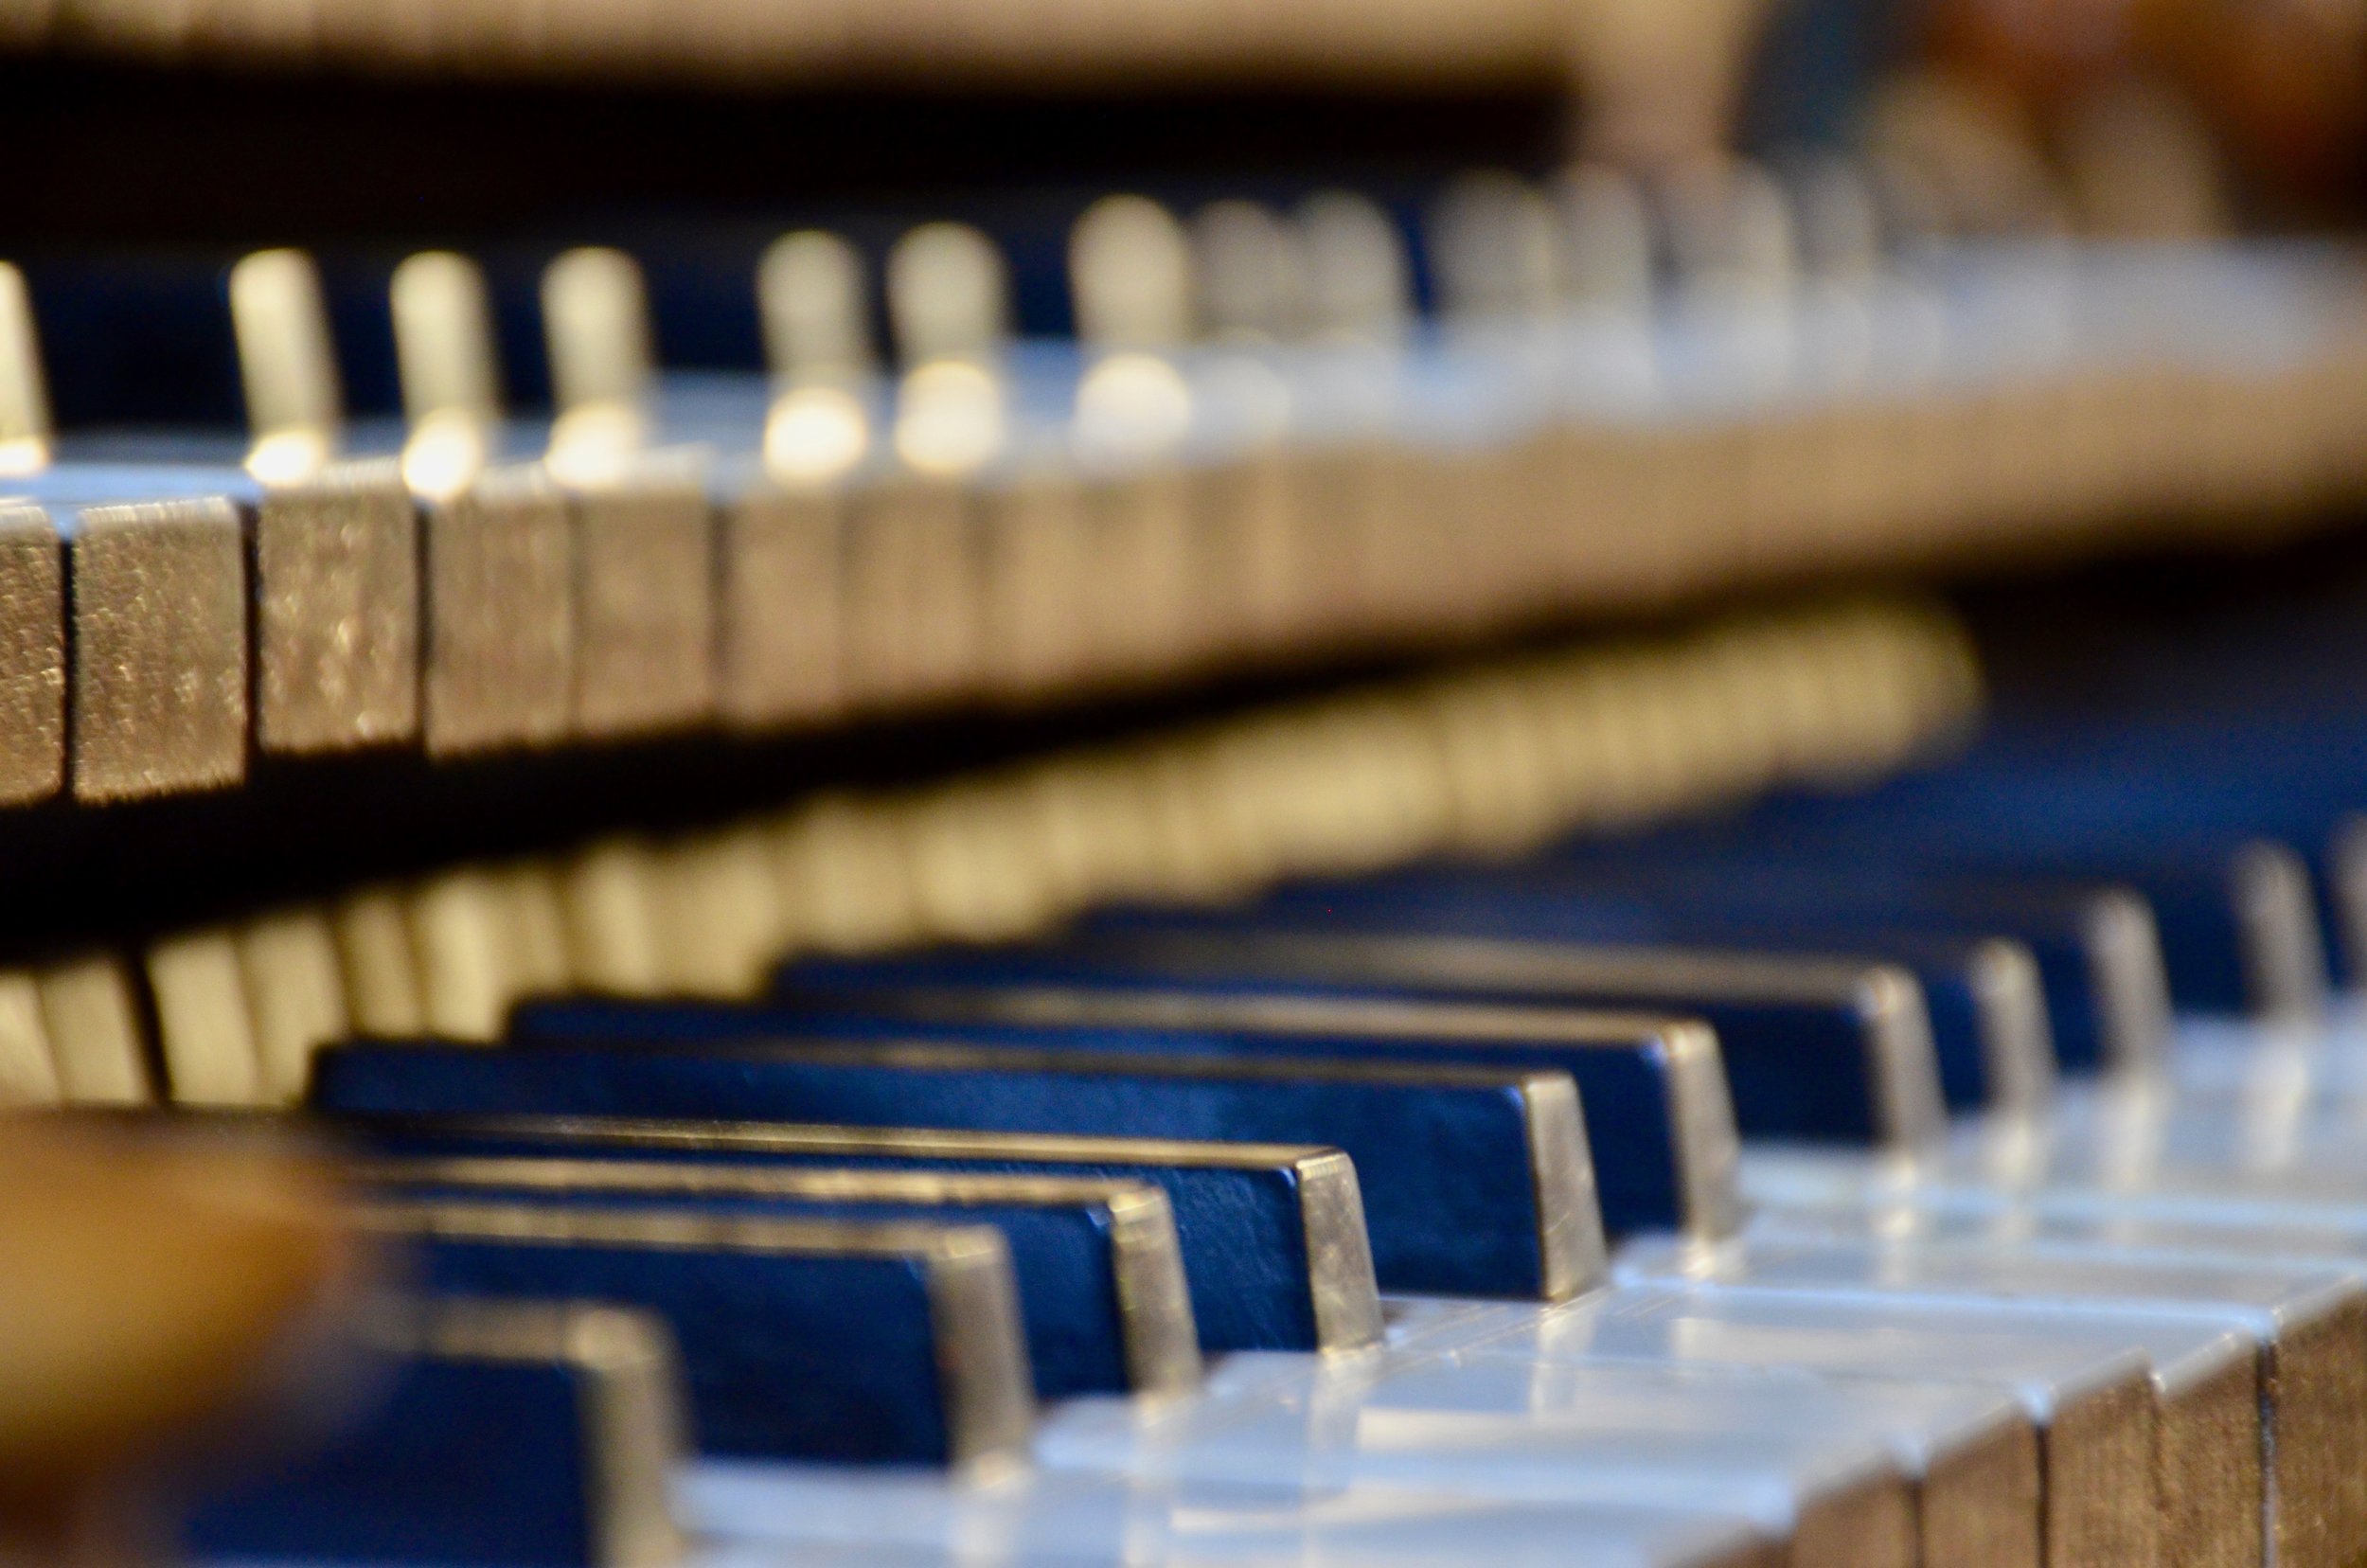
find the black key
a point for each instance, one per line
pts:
(515, 1434)
(1100, 1278)
(1476, 1181)
(1983, 992)
(2098, 955)
(1828, 1050)
(800, 1338)
(1832, 1051)
(1652, 1090)
(1273, 1241)
(2236, 916)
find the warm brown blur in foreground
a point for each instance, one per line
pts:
(142, 1286)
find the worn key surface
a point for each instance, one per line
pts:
(1864, 1023)
(1100, 1275)
(1652, 1088)
(1273, 1240)
(800, 1338)
(1475, 1181)
(514, 1434)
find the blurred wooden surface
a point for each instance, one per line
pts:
(142, 1287)
(1053, 42)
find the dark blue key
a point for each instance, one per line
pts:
(1476, 1181)
(136, 340)
(2099, 960)
(1827, 1050)
(1824, 1049)
(800, 1338)
(503, 1435)
(1652, 1090)
(1272, 1236)
(2236, 913)
(1980, 994)
(1100, 1278)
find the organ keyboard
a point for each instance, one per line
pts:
(1341, 912)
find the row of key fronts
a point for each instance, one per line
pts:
(1255, 451)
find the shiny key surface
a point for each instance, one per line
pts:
(814, 1338)
(1862, 1025)
(1273, 1241)
(1652, 1090)
(1837, 1474)
(1053, 1515)
(1098, 1274)
(2099, 959)
(2117, 1399)
(1982, 993)
(1475, 1181)
(2304, 1324)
